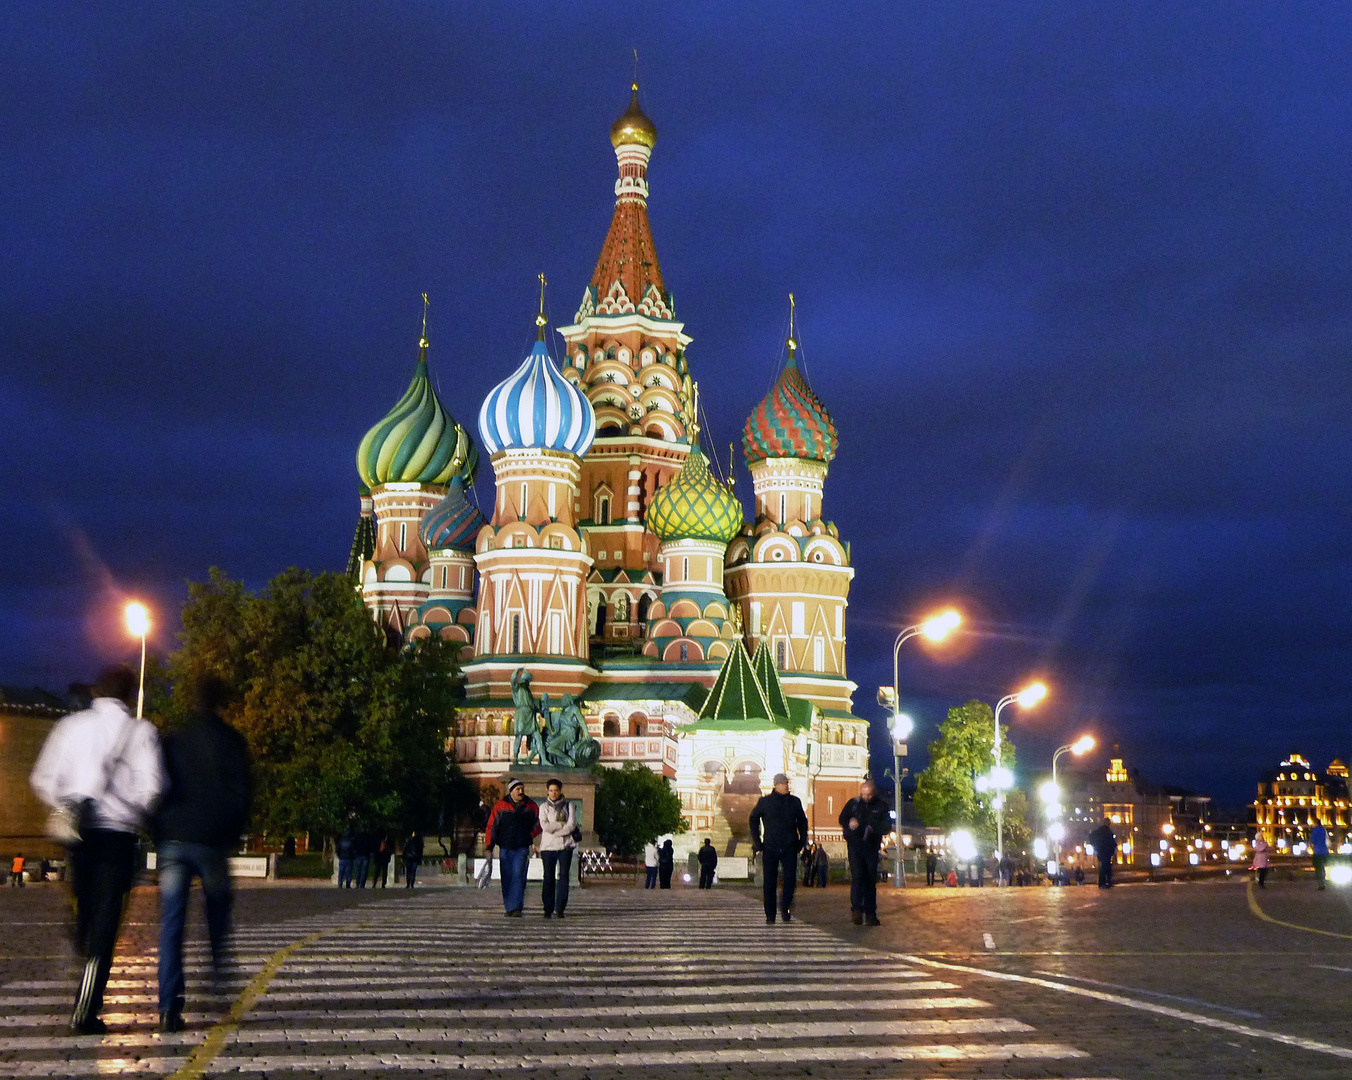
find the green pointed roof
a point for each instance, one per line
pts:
(737, 702)
(763, 664)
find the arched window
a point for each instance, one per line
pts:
(685, 651)
(610, 728)
(603, 515)
(644, 602)
(636, 725)
(781, 650)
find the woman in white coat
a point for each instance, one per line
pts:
(558, 839)
(1261, 859)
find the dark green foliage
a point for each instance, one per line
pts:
(341, 726)
(635, 805)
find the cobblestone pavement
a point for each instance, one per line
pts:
(1185, 981)
(680, 984)
(1170, 980)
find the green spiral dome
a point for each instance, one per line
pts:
(417, 442)
(694, 505)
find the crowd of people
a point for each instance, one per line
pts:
(366, 856)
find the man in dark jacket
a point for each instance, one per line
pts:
(1105, 849)
(864, 822)
(708, 862)
(512, 828)
(199, 824)
(778, 832)
(413, 856)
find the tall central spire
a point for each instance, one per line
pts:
(628, 258)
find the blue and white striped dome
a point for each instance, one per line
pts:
(536, 408)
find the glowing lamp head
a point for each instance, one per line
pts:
(138, 619)
(1082, 745)
(962, 845)
(1056, 831)
(1002, 778)
(1032, 694)
(902, 726)
(940, 626)
(1050, 791)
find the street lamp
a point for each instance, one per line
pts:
(935, 628)
(1051, 791)
(138, 625)
(1000, 777)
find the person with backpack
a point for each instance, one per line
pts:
(101, 772)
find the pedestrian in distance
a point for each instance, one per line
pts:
(16, 872)
(362, 849)
(821, 865)
(105, 765)
(200, 821)
(1262, 859)
(413, 857)
(778, 833)
(931, 866)
(864, 823)
(1079, 875)
(666, 863)
(650, 864)
(708, 863)
(343, 850)
(808, 874)
(512, 828)
(1105, 848)
(559, 834)
(1319, 852)
(380, 873)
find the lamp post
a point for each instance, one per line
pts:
(1000, 778)
(138, 624)
(1051, 793)
(936, 628)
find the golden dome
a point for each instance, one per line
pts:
(633, 127)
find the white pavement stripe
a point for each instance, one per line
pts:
(598, 989)
(433, 971)
(1149, 1006)
(654, 1059)
(518, 1037)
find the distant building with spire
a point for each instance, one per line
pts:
(613, 564)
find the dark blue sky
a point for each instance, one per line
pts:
(1073, 278)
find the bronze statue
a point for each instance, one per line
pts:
(524, 725)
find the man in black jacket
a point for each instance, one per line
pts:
(864, 822)
(708, 863)
(780, 816)
(198, 825)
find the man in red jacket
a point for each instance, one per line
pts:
(512, 828)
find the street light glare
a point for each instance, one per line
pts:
(902, 726)
(138, 619)
(1050, 791)
(1032, 695)
(1082, 745)
(940, 626)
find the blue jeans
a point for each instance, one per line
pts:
(178, 861)
(344, 873)
(514, 862)
(359, 865)
(650, 882)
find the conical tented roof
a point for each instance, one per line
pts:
(737, 697)
(763, 664)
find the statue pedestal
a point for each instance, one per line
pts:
(579, 786)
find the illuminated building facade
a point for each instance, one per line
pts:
(614, 564)
(1295, 795)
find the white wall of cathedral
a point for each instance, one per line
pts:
(535, 486)
(788, 489)
(451, 574)
(532, 602)
(693, 565)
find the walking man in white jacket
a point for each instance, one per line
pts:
(558, 821)
(105, 755)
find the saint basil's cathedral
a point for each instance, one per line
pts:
(614, 565)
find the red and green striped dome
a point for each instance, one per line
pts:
(791, 422)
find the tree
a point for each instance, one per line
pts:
(635, 805)
(340, 725)
(946, 795)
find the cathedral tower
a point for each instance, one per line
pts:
(405, 463)
(789, 572)
(531, 559)
(694, 516)
(626, 351)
